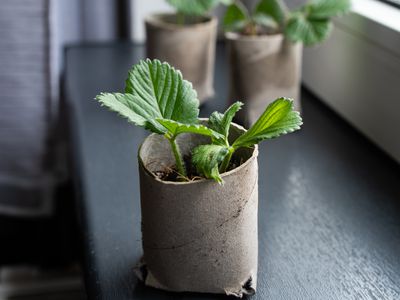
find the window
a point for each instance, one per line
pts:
(395, 3)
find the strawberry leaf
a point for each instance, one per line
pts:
(221, 123)
(276, 9)
(175, 128)
(278, 119)
(154, 90)
(207, 158)
(301, 28)
(265, 20)
(236, 17)
(319, 9)
(193, 7)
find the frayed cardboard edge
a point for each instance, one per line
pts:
(140, 270)
(143, 274)
(247, 288)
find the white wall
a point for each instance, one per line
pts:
(357, 73)
(139, 9)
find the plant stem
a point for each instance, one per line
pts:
(250, 29)
(180, 165)
(226, 161)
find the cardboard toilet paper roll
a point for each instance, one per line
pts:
(198, 236)
(262, 68)
(189, 48)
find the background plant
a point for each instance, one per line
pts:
(193, 8)
(158, 99)
(310, 24)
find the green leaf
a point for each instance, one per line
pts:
(207, 158)
(320, 9)
(175, 128)
(274, 8)
(236, 17)
(264, 20)
(226, 2)
(312, 25)
(161, 88)
(221, 123)
(278, 119)
(154, 90)
(193, 7)
(126, 106)
(309, 31)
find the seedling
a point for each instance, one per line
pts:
(309, 24)
(189, 9)
(158, 99)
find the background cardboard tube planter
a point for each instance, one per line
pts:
(198, 236)
(263, 68)
(190, 48)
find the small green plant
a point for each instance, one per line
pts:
(309, 24)
(158, 99)
(189, 9)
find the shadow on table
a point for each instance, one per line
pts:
(141, 291)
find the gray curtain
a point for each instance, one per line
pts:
(32, 36)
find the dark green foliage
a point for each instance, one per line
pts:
(310, 24)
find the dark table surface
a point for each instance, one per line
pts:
(329, 222)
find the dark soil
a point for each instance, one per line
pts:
(171, 174)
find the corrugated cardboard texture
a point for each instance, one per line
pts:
(189, 48)
(199, 236)
(263, 68)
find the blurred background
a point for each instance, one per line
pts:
(39, 232)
